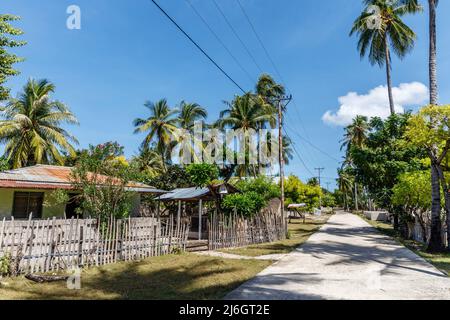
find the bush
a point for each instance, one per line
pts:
(246, 204)
(202, 174)
(262, 185)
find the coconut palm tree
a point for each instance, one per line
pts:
(31, 128)
(381, 30)
(355, 135)
(244, 113)
(189, 113)
(267, 90)
(345, 185)
(432, 4)
(435, 244)
(159, 126)
(288, 153)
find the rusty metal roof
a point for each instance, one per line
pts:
(53, 177)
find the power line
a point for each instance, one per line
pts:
(220, 41)
(197, 45)
(223, 71)
(252, 26)
(237, 35)
(315, 147)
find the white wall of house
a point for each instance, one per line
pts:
(49, 208)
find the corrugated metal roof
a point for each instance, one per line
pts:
(52, 177)
(185, 194)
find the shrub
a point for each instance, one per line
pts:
(246, 204)
(262, 185)
(202, 174)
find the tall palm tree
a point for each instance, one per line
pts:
(189, 113)
(385, 32)
(244, 113)
(288, 152)
(432, 4)
(345, 185)
(435, 244)
(266, 90)
(355, 134)
(159, 126)
(31, 128)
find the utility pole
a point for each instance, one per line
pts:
(281, 103)
(356, 196)
(319, 170)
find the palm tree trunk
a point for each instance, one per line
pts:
(388, 75)
(446, 191)
(433, 53)
(435, 243)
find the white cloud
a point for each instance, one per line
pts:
(376, 103)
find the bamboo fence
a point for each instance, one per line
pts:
(58, 244)
(230, 231)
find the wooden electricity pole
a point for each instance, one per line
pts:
(282, 103)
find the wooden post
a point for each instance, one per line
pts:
(80, 248)
(178, 216)
(200, 219)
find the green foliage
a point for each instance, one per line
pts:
(383, 158)
(4, 164)
(246, 204)
(413, 191)
(262, 185)
(5, 264)
(103, 181)
(175, 177)
(7, 60)
(202, 174)
(32, 127)
(328, 200)
(392, 29)
(57, 197)
(298, 192)
(429, 127)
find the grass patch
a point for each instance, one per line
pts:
(299, 232)
(439, 260)
(184, 276)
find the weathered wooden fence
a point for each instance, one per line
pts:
(235, 231)
(58, 244)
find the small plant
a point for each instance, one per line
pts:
(5, 264)
(288, 235)
(176, 250)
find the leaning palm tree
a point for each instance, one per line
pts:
(190, 113)
(159, 126)
(31, 128)
(381, 30)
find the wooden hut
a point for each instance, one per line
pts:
(196, 199)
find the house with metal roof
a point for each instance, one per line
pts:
(195, 199)
(29, 190)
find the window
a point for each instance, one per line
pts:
(26, 203)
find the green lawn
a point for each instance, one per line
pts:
(440, 261)
(299, 233)
(184, 276)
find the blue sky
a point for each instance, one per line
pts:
(127, 52)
